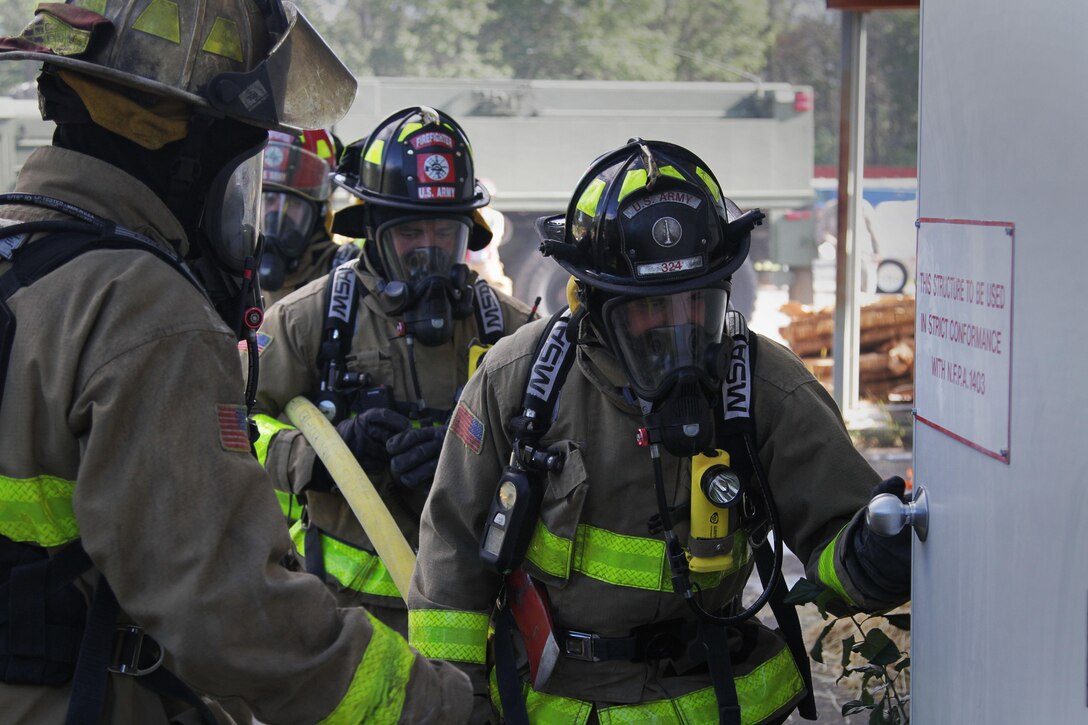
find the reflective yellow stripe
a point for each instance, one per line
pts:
(376, 692)
(374, 152)
(324, 151)
(449, 634)
(587, 204)
(267, 428)
(38, 510)
(761, 693)
(160, 19)
(289, 505)
(223, 39)
(710, 184)
(62, 39)
(619, 559)
(407, 129)
(358, 570)
(636, 179)
(826, 571)
(545, 709)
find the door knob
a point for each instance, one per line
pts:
(887, 514)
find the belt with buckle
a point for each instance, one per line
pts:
(659, 640)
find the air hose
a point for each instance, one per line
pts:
(358, 491)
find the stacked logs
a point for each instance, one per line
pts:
(886, 365)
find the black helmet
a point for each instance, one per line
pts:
(649, 218)
(417, 161)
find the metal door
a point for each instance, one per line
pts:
(1000, 594)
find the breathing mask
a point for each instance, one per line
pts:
(671, 349)
(427, 280)
(229, 235)
(287, 226)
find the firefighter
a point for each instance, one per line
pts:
(615, 473)
(296, 210)
(140, 548)
(383, 345)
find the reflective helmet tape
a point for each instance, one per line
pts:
(591, 197)
(826, 571)
(51, 32)
(223, 39)
(475, 355)
(715, 190)
(160, 19)
(354, 568)
(376, 693)
(267, 428)
(618, 559)
(38, 510)
(449, 634)
(374, 152)
(407, 129)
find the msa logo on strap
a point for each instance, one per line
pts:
(546, 366)
(343, 292)
(737, 386)
(490, 310)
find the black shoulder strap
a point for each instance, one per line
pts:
(552, 360)
(489, 317)
(736, 435)
(342, 298)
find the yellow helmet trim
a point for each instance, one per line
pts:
(407, 129)
(224, 40)
(52, 33)
(374, 153)
(709, 181)
(160, 19)
(591, 197)
(98, 6)
(636, 179)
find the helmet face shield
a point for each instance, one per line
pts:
(299, 169)
(416, 248)
(232, 212)
(659, 336)
(286, 222)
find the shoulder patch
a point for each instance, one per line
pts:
(263, 341)
(233, 428)
(470, 429)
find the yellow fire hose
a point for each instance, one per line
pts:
(357, 489)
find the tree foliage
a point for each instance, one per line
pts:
(796, 41)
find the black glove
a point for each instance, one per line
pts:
(880, 565)
(365, 435)
(414, 455)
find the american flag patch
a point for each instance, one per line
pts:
(262, 343)
(468, 428)
(233, 428)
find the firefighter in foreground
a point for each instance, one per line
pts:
(140, 548)
(382, 346)
(619, 470)
(296, 211)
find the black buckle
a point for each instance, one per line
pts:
(579, 646)
(128, 646)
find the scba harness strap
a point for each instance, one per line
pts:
(47, 634)
(735, 433)
(342, 299)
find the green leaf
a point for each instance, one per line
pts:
(902, 664)
(879, 717)
(878, 648)
(899, 621)
(817, 651)
(847, 648)
(804, 591)
(853, 707)
(867, 697)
